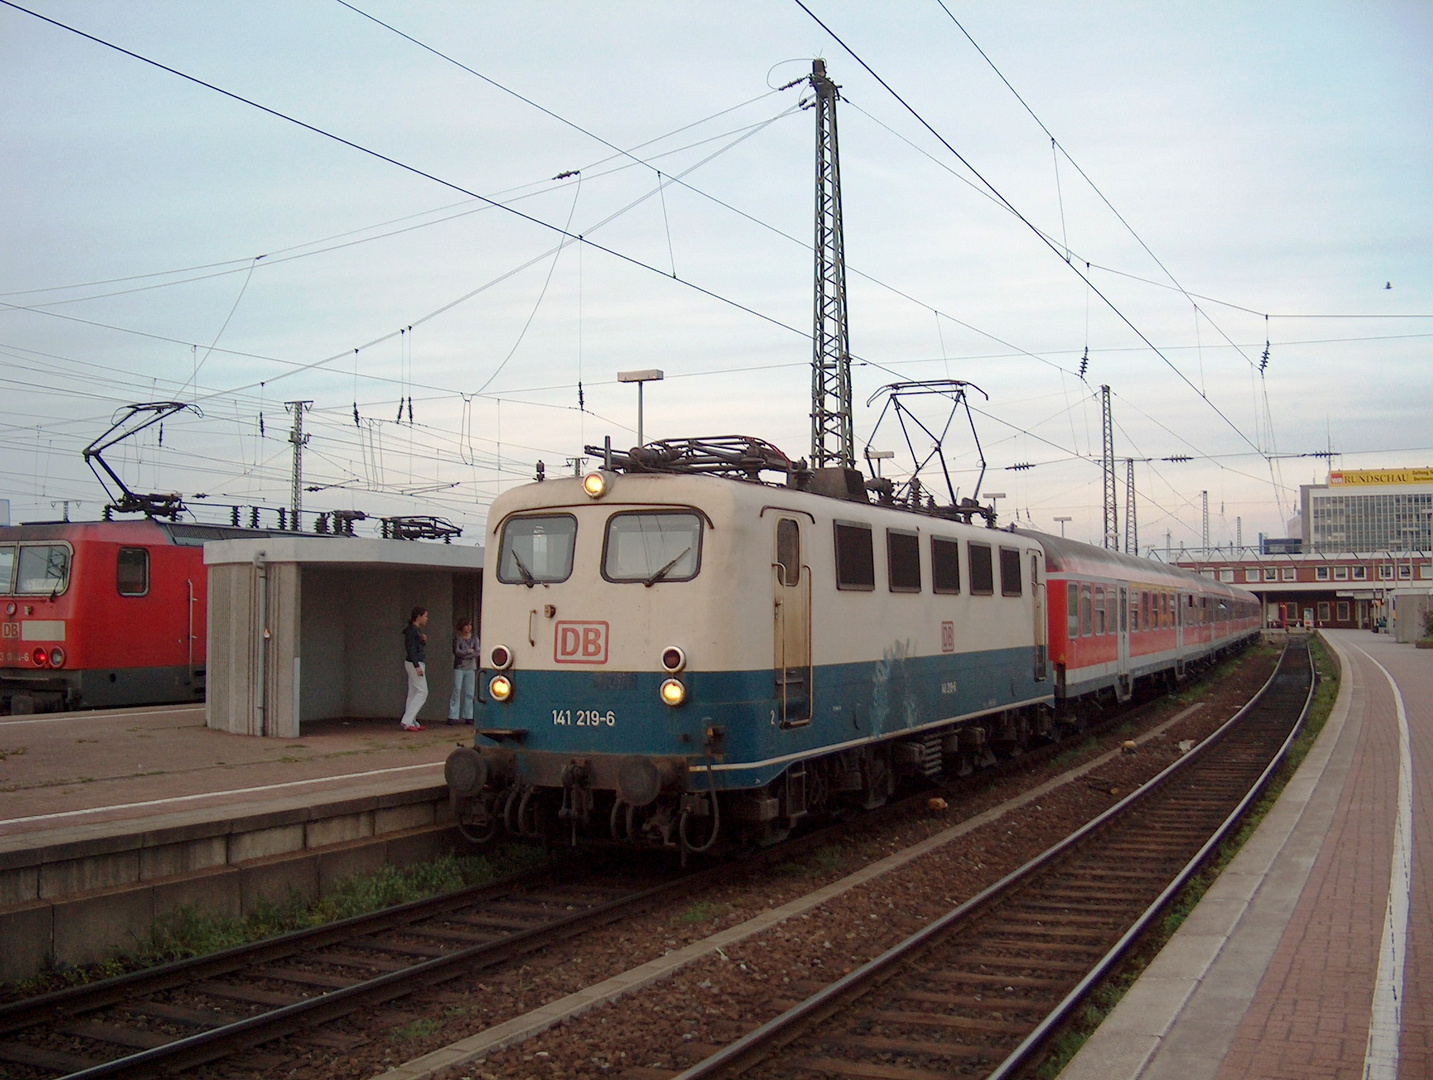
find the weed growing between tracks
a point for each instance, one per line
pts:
(187, 931)
(1107, 995)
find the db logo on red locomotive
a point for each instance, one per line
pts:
(580, 643)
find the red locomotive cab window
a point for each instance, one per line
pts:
(7, 569)
(131, 575)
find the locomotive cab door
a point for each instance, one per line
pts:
(791, 585)
(1042, 626)
(1122, 680)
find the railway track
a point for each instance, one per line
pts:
(977, 992)
(227, 1005)
(207, 1008)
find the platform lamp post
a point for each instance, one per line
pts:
(994, 497)
(646, 375)
(1062, 521)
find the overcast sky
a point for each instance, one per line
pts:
(1216, 164)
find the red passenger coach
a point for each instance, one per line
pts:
(1116, 619)
(105, 613)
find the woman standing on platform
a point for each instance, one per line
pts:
(415, 652)
(465, 673)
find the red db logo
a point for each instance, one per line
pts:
(580, 643)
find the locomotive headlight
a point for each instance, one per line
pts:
(501, 657)
(595, 484)
(673, 659)
(57, 657)
(40, 656)
(673, 692)
(500, 689)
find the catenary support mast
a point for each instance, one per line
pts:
(832, 440)
(298, 438)
(1112, 525)
(1131, 526)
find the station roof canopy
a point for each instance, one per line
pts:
(308, 550)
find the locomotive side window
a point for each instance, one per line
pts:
(944, 565)
(855, 557)
(1072, 610)
(43, 568)
(7, 570)
(788, 551)
(1010, 583)
(131, 574)
(903, 555)
(982, 571)
(537, 549)
(652, 547)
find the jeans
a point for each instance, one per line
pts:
(417, 692)
(460, 705)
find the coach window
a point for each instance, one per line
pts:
(537, 549)
(652, 546)
(855, 557)
(1010, 582)
(982, 571)
(132, 571)
(1099, 610)
(7, 570)
(903, 561)
(1072, 610)
(944, 565)
(788, 551)
(1087, 613)
(43, 568)
(1144, 611)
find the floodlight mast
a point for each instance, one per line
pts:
(833, 442)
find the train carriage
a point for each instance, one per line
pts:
(103, 614)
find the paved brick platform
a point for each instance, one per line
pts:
(1292, 958)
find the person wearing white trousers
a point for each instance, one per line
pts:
(415, 648)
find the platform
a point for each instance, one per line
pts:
(1312, 955)
(108, 818)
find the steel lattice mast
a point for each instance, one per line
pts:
(1112, 525)
(832, 439)
(1131, 526)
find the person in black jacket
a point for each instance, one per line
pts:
(415, 653)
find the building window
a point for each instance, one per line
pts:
(1385, 572)
(982, 570)
(1010, 583)
(1343, 611)
(855, 558)
(1251, 574)
(1323, 611)
(944, 565)
(1425, 570)
(132, 571)
(1321, 573)
(1288, 573)
(1360, 573)
(1226, 575)
(1340, 573)
(903, 554)
(1405, 571)
(1271, 574)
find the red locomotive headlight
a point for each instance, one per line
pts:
(57, 657)
(501, 657)
(40, 656)
(673, 658)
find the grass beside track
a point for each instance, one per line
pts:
(187, 931)
(1108, 994)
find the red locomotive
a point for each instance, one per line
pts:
(105, 613)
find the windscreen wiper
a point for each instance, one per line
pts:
(527, 576)
(660, 574)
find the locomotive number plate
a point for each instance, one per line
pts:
(583, 718)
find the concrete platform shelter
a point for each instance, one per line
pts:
(310, 628)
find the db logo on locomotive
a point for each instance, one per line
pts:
(580, 643)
